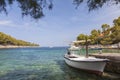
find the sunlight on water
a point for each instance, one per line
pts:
(39, 64)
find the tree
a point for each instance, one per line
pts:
(105, 27)
(106, 40)
(81, 37)
(34, 8)
(115, 35)
(8, 40)
(108, 36)
(95, 36)
(95, 4)
(117, 22)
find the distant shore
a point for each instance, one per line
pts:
(13, 46)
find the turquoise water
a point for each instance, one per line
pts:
(39, 64)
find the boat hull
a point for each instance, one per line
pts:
(96, 67)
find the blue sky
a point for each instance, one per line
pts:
(60, 26)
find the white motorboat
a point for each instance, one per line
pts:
(95, 65)
(92, 64)
(73, 47)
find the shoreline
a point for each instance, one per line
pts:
(12, 46)
(114, 61)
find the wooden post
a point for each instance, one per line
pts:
(86, 43)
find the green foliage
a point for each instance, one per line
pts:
(8, 40)
(35, 8)
(117, 22)
(81, 37)
(115, 34)
(115, 31)
(94, 36)
(108, 35)
(106, 40)
(105, 27)
(95, 4)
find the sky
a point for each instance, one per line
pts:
(59, 26)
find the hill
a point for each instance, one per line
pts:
(9, 40)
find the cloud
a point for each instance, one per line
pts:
(97, 18)
(14, 24)
(5, 22)
(8, 23)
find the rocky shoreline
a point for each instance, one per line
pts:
(114, 64)
(12, 46)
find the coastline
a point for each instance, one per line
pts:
(13, 46)
(114, 61)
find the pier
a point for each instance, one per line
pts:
(114, 64)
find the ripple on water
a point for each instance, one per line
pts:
(39, 64)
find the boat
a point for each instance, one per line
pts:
(96, 48)
(87, 63)
(73, 47)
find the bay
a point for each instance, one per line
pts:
(39, 64)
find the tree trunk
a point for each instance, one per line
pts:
(118, 45)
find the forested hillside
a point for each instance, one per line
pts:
(109, 34)
(9, 40)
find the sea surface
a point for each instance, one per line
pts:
(40, 64)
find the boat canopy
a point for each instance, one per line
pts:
(81, 41)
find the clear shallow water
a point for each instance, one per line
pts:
(39, 64)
